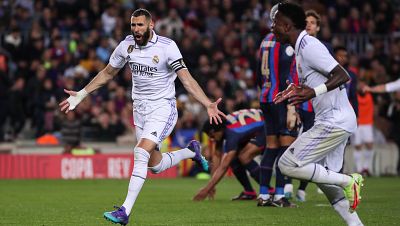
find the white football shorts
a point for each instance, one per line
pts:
(154, 120)
(322, 144)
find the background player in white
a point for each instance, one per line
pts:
(155, 62)
(317, 155)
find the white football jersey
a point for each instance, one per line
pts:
(314, 63)
(153, 66)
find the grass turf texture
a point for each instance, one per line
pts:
(168, 202)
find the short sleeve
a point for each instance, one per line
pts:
(174, 57)
(117, 59)
(317, 56)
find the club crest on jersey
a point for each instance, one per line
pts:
(156, 59)
(130, 49)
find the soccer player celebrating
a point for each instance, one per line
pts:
(317, 155)
(155, 62)
(242, 137)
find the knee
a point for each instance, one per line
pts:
(141, 155)
(141, 160)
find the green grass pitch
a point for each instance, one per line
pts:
(168, 202)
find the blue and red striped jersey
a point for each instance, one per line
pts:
(241, 126)
(274, 67)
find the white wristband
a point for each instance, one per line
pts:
(321, 89)
(82, 93)
(75, 100)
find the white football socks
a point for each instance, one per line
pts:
(342, 208)
(170, 159)
(315, 173)
(138, 177)
(341, 205)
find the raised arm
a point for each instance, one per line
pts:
(98, 81)
(195, 90)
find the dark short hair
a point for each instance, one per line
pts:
(208, 128)
(314, 14)
(339, 48)
(142, 12)
(295, 13)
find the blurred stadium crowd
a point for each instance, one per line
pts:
(49, 45)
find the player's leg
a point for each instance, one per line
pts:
(307, 121)
(286, 138)
(142, 154)
(162, 122)
(247, 154)
(161, 162)
(340, 204)
(302, 157)
(138, 176)
(282, 181)
(301, 191)
(271, 129)
(241, 175)
(153, 124)
(266, 169)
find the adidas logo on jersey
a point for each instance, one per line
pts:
(154, 133)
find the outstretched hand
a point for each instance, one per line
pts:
(203, 194)
(295, 94)
(214, 113)
(211, 194)
(73, 100)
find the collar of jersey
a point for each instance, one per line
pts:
(150, 43)
(299, 38)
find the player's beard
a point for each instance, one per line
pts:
(145, 37)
